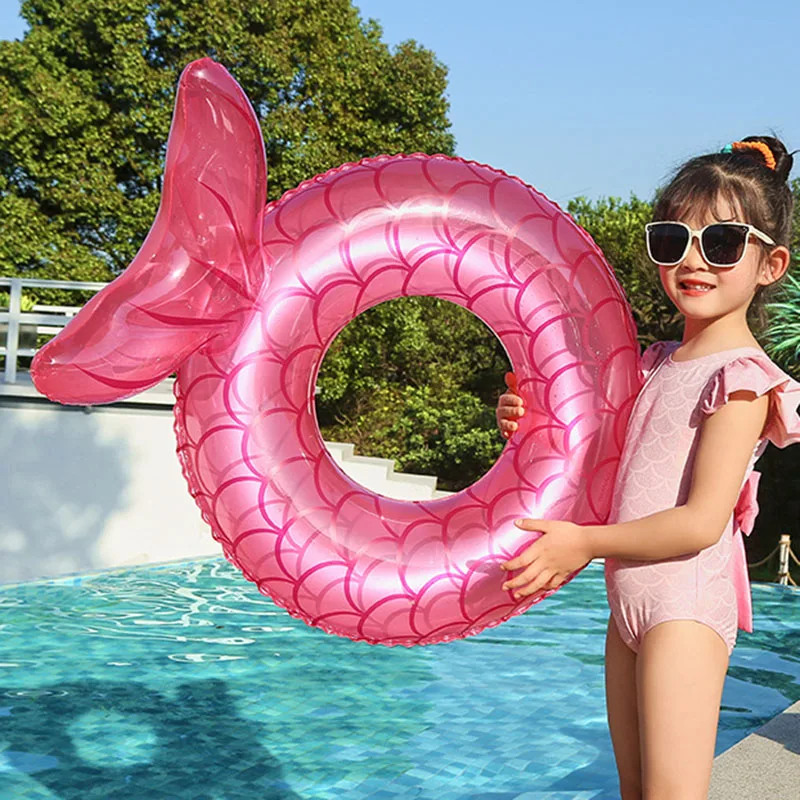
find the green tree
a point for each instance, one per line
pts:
(617, 227)
(416, 380)
(782, 338)
(86, 101)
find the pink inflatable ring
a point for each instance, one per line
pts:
(243, 301)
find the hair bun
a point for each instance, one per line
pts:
(783, 159)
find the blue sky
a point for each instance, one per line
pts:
(599, 98)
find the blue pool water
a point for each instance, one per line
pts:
(183, 682)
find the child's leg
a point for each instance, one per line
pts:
(681, 668)
(622, 712)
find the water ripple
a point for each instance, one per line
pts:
(185, 676)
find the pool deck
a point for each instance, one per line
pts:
(764, 765)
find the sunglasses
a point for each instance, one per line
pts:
(723, 244)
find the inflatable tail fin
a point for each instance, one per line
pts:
(201, 261)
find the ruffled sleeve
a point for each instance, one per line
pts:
(653, 356)
(757, 373)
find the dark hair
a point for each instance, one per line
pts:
(761, 195)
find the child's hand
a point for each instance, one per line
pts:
(509, 407)
(551, 559)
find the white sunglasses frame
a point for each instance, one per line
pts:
(697, 234)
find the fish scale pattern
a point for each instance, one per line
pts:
(243, 301)
(331, 552)
(655, 474)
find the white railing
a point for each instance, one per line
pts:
(784, 551)
(376, 473)
(42, 319)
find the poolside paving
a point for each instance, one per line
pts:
(763, 766)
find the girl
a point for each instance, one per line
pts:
(674, 558)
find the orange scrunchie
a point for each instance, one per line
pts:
(769, 159)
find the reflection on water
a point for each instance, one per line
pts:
(184, 682)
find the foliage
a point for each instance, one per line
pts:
(26, 303)
(85, 106)
(796, 223)
(86, 101)
(618, 229)
(416, 380)
(782, 338)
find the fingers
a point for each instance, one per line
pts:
(510, 405)
(509, 409)
(524, 560)
(531, 524)
(525, 577)
(507, 427)
(531, 581)
(533, 578)
(527, 557)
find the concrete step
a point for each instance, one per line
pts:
(379, 476)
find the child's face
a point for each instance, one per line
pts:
(733, 287)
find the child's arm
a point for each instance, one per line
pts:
(727, 441)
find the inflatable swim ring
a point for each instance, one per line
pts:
(243, 300)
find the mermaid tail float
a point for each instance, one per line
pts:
(199, 265)
(243, 300)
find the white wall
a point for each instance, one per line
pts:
(85, 490)
(88, 490)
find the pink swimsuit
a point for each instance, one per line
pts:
(710, 586)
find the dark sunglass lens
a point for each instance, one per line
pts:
(724, 244)
(667, 242)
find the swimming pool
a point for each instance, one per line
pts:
(181, 681)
